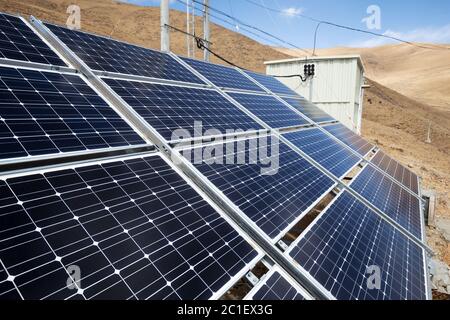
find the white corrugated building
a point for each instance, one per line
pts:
(337, 86)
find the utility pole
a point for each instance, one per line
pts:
(165, 35)
(206, 29)
(190, 28)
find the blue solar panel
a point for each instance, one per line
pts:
(271, 83)
(47, 113)
(275, 287)
(167, 108)
(134, 229)
(390, 198)
(325, 150)
(308, 109)
(273, 191)
(19, 42)
(347, 242)
(267, 108)
(350, 138)
(222, 76)
(397, 171)
(104, 54)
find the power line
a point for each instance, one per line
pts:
(333, 24)
(252, 27)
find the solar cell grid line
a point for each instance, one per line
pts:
(271, 83)
(19, 42)
(323, 149)
(391, 198)
(275, 286)
(49, 112)
(267, 108)
(350, 138)
(308, 109)
(135, 228)
(108, 55)
(223, 76)
(272, 199)
(345, 240)
(403, 175)
(168, 107)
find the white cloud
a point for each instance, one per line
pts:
(427, 34)
(292, 11)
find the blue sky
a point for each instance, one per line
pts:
(412, 20)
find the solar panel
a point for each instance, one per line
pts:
(222, 76)
(47, 113)
(348, 243)
(167, 108)
(273, 112)
(19, 42)
(275, 286)
(397, 171)
(390, 198)
(308, 109)
(271, 83)
(104, 54)
(134, 229)
(273, 188)
(350, 138)
(325, 150)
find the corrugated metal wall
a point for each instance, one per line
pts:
(335, 88)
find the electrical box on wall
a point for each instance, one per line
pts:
(336, 84)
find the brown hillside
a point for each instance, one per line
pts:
(141, 25)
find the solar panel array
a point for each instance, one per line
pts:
(223, 77)
(350, 138)
(271, 83)
(309, 110)
(267, 108)
(19, 42)
(397, 171)
(168, 108)
(274, 287)
(348, 242)
(137, 229)
(273, 192)
(390, 198)
(104, 54)
(326, 151)
(47, 113)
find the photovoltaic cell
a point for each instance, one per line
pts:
(222, 76)
(134, 229)
(390, 198)
(308, 109)
(19, 42)
(47, 113)
(397, 171)
(350, 138)
(167, 108)
(272, 184)
(267, 108)
(271, 83)
(326, 151)
(104, 54)
(276, 287)
(347, 241)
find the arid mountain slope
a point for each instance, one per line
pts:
(141, 25)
